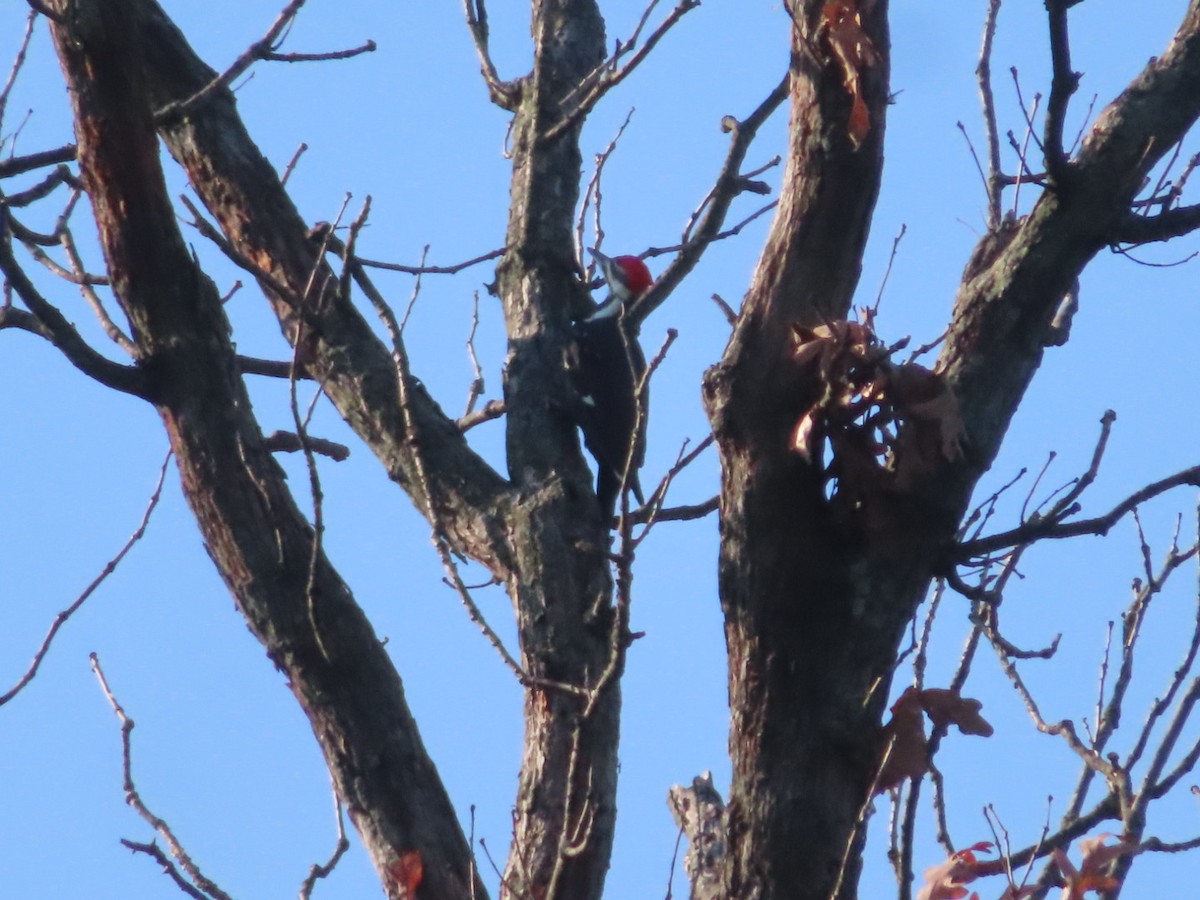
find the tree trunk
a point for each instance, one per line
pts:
(291, 596)
(809, 635)
(816, 601)
(562, 589)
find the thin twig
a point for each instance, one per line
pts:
(311, 290)
(239, 259)
(477, 384)
(423, 493)
(1026, 112)
(593, 192)
(727, 186)
(431, 270)
(291, 166)
(319, 871)
(983, 73)
(682, 460)
(642, 399)
(365, 47)
(18, 62)
(61, 619)
(888, 271)
(978, 165)
(1052, 529)
(1022, 164)
(169, 868)
(114, 332)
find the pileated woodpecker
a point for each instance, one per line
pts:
(607, 367)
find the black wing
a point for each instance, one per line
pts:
(607, 367)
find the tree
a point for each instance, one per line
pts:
(846, 474)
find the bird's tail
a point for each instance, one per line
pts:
(608, 489)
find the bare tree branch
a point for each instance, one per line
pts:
(727, 186)
(169, 868)
(18, 62)
(49, 323)
(367, 47)
(134, 799)
(428, 270)
(272, 368)
(1063, 85)
(475, 391)
(263, 48)
(1172, 223)
(15, 165)
(1052, 528)
(493, 409)
(45, 187)
(607, 75)
(503, 93)
(289, 442)
(593, 193)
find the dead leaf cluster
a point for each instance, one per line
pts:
(947, 880)
(906, 748)
(1090, 876)
(884, 424)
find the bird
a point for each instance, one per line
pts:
(607, 366)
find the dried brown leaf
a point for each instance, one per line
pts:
(945, 880)
(949, 708)
(854, 52)
(1089, 877)
(805, 439)
(906, 747)
(408, 871)
(924, 396)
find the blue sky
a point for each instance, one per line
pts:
(222, 751)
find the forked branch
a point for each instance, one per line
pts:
(45, 320)
(729, 183)
(134, 799)
(503, 93)
(265, 48)
(610, 73)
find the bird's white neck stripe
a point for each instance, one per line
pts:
(609, 309)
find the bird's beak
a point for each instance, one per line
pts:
(605, 263)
